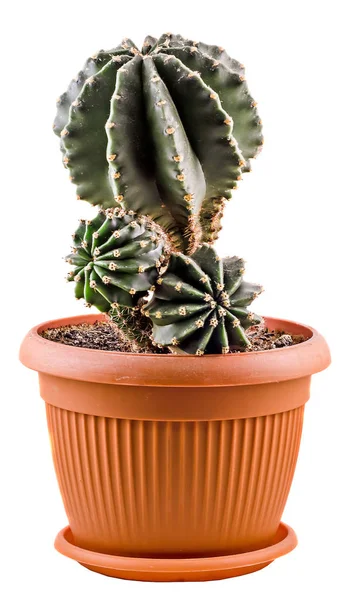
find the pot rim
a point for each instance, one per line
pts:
(173, 370)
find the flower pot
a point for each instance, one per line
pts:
(174, 467)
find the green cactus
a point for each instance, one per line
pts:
(116, 258)
(200, 304)
(134, 328)
(165, 132)
(158, 139)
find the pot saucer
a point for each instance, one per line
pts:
(178, 569)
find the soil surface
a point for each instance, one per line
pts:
(106, 336)
(262, 338)
(98, 336)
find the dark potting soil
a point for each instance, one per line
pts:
(97, 336)
(263, 338)
(106, 336)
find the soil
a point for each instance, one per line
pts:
(106, 336)
(262, 338)
(97, 336)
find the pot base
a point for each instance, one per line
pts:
(178, 569)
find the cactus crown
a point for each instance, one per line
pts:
(158, 140)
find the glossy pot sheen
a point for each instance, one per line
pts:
(174, 456)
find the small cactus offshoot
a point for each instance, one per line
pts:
(165, 132)
(200, 304)
(116, 259)
(134, 327)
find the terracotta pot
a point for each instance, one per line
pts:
(174, 467)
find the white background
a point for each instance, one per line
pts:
(290, 219)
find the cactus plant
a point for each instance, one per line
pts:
(134, 328)
(200, 303)
(116, 258)
(165, 132)
(172, 468)
(158, 140)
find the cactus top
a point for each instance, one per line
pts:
(165, 132)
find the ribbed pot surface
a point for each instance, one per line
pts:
(191, 488)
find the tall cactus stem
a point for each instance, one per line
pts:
(174, 127)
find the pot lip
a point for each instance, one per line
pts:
(174, 370)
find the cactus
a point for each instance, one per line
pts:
(134, 328)
(158, 140)
(200, 304)
(165, 132)
(116, 258)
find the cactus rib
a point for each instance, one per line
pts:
(232, 89)
(181, 183)
(207, 125)
(91, 67)
(88, 114)
(129, 151)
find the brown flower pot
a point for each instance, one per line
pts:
(174, 467)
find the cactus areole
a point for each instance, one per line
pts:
(162, 134)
